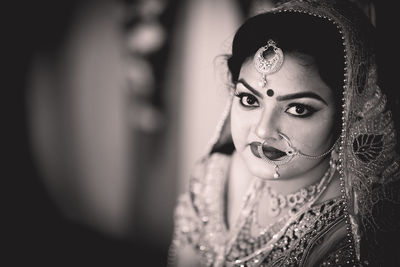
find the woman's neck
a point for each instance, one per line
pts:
(240, 179)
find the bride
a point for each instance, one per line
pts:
(303, 160)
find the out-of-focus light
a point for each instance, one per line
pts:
(146, 37)
(140, 76)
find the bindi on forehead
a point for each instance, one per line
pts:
(270, 92)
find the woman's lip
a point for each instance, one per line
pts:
(270, 152)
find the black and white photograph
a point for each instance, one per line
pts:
(188, 133)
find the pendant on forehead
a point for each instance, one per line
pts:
(267, 60)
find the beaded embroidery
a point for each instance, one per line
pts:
(200, 223)
(369, 170)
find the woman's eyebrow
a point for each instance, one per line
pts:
(301, 95)
(245, 84)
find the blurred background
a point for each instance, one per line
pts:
(108, 106)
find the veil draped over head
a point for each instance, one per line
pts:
(368, 163)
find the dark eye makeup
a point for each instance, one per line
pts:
(297, 110)
(300, 110)
(247, 100)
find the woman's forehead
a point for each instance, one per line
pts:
(294, 76)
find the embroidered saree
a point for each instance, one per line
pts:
(349, 230)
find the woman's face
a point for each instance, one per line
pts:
(301, 107)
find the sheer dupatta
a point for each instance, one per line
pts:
(369, 165)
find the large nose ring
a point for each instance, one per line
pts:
(277, 163)
(291, 151)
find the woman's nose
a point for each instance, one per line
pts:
(267, 125)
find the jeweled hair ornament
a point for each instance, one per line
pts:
(267, 60)
(291, 152)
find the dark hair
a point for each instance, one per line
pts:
(315, 40)
(295, 33)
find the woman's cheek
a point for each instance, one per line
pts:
(235, 127)
(240, 126)
(315, 135)
(238, 131)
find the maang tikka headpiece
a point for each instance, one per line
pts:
(267, 60)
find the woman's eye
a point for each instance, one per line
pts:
(300, 110)
(247, 100)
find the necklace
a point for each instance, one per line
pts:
(295, 200)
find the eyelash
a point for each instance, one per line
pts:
(310, 110)
(241, 96)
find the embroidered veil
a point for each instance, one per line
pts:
(368, 164)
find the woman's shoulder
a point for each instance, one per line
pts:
(211, 162)
(325, 241)
(206, 180)
(339, 254)
(200, 204)
(381, 224)
(209, 174)
(380, 228)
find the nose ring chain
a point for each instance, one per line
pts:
(291, 152)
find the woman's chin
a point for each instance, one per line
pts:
(261, 170)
